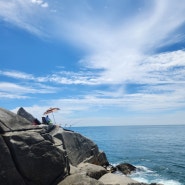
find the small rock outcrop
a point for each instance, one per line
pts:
(126, 168)
(12, 122)
(23, 113)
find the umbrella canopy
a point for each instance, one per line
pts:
(51, 110)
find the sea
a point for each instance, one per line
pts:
(158, 152)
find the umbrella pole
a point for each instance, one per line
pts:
(54, 118)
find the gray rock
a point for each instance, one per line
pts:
(23, 113)
(79, 148)
(12, 122)
(126, 168)
(80, 179)
(9, 173)
(115, 179)
(91, 170)
(98, 158)
(74, 170)
(38, 161)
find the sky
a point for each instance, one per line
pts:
(102, 62)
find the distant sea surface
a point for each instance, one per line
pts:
(157, 151)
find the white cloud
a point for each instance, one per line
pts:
(24, 14)
(11, 87)
(61, 77)
(123, 49)
(69, 78)
(37, 1)
(162, 68)
(7, 95)
(119, 48)
(17, 74)
(13, 90)
(41, 3)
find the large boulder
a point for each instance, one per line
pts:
(37, 159)
(80, 149)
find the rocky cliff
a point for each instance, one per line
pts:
(50, 155)
(40, 155)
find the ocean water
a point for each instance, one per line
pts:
(157, 151)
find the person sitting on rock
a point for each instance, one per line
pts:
(48, 120)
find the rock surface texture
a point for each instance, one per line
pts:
(50, 155)
(115, 179)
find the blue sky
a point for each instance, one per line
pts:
(108, 62)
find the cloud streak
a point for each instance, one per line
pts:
(22, 91)
(22, 14)
(17, 74)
